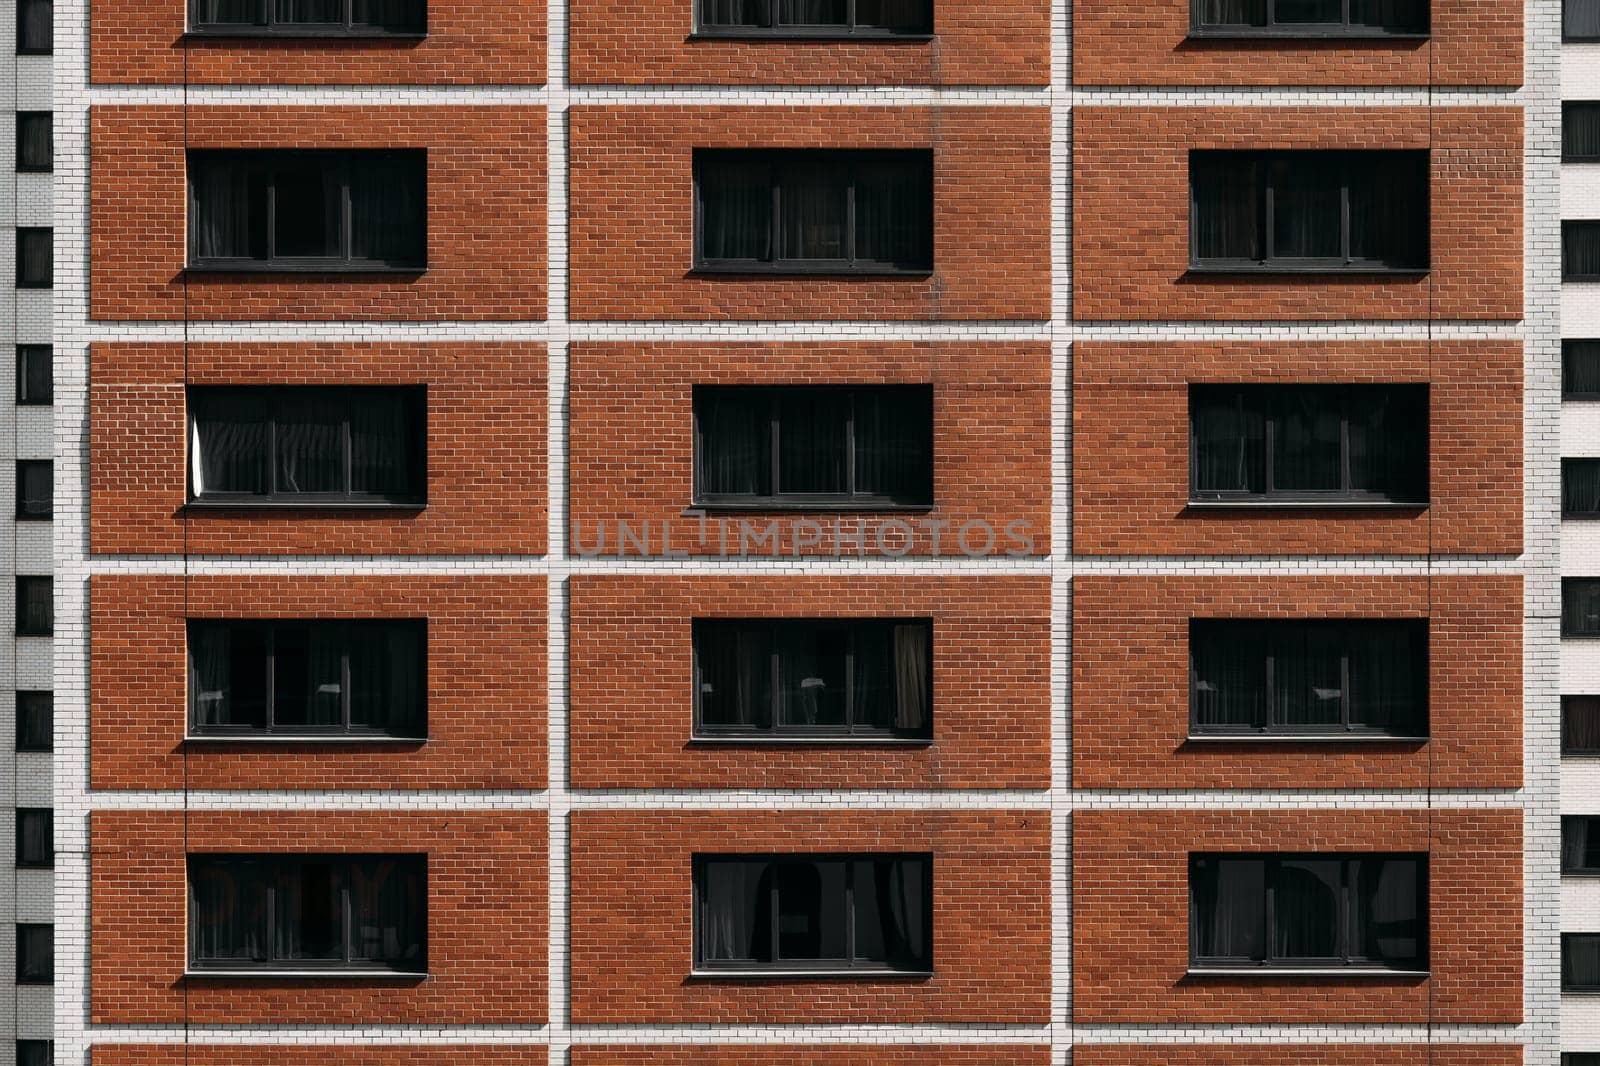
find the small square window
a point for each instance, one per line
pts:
(35, 721)
(36, 954)
(36, 615)
(35, 27)
(35, 374)
(36, 846)
(1580, 370)
(35, 488)
(35, 257)
(35, 142)
(36, 1052)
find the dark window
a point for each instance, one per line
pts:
(1580, 131)
(797, 678)
(811, 210)
(1580, 607)
(1308, 911)
(301, 678)
(1580, 725)
(1309, 443)
(1580, 962)
(35, 721)
(1580, 370)
(36, 609)
(35, 27)
(35, 488)
(1580, 1058)
(36, 954)
(35, 374)
(814, 912)
(36, 1053)
(308, 912)
(35, 258)
(1580, 251)
(1305, 677)
(800, 447)
(308, 210)
(1580, 20)
(309, 18)
(35, 143)
(1308, 18)
(1580, 844)
(1308, 211)
(814, 18)
(36, 842)
(1580, 488)
(305, 446)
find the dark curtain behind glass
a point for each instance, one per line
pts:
(1227, 917)
(35, 141)
(1580, 724)
(735, 435)
(1225, 189)
(1580, 249)
(227, 911)
(309, 12)
(387, 678)
(891, 912)
(1387, 431)
(1580, 18)
(35, 27)
(1307, 675)
(35, 257)
(1580, 368)
(36, 611)
(1580, 607)
(1308, 11)
(1231, 12)
(735, 674)
(1229, 664)
(892, 445)
(383, 461)
(388, 912)
(893, 214)
(308, 918)
(735, 12)
(396, 16)
(1395, 16)
(36, 373)
(228, 12)
(1580, 961)
(388, 209)
(228, 216)
(811, 674)
(902, 16)
(1388, 912)
(231, 436)
(308, 210)
(36, 953)
(1580, 130)
(1306, 441)
(1305, 910)
(912, 672)
(813, 13)
(1580, 844)
(729, 931)
(736, 205)
(1387, 664)
(1580, 486)
(1306, 209)
(813, 438)
(1229, 442)
(1389, 208)
(35, 721)
(228, 675)
(310, 444)
(813, 210)
(35, 837)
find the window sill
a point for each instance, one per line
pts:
(1273, 270)
(300, 739)
(794, 270)
(332, 975)
(912, 975)
(814, 36)
(303, 268)
(300, 505)
(695, 510)
(1303, 738)
(1303, 971)
(1341, 34)
(1320, 505)
(303, 33)
(862, 742)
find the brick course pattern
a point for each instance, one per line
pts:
(1130, 432)
(486, 683)
(1300, 1054)
(979, 42)
(487, 918)
(796, 1055)
(631, 948)
(631, 441)
(633, 692)
(1131, 919)
(317, 1055)
(1131, 214)
(632, 213)
(486, 413)
(486, 214)
(468, 43)
(1130, 694)
(1471, 42)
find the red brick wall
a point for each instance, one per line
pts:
(1473, 42)
(633, 693)
(798, 1055)
(979, 42)
(1130, 694)
(317, 1055)
(468, 42)
(632, 213)
(631, 443)
(1131, 918)
(486, 449)
(486, 214)
(486, 683)
(1130, 432)
(1300, 1054)
(487, 923)
(1131, 213)
(631, 947)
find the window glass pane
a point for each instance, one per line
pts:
(893, 431)
(1226, 209)
(1580, 249)
(36, 954)
(388, 908)
(1231, 12)
(1580, 607)
(735, 435)
(35, 27)
(813, 435)
(1307, 671)
(396, 16)
(35, 1052)
(307, 677)
(873, 675)
(1228, 897)
(1580, 844)
(1387, 429)
(1395, 16)
(1388, 676)
(35, 836)
(1580, 367)
(309, 12)
(1306, 207)
(35, 374)
(1581, 18)
(1229, 661)
(228, 208)
(814, 206)
(893, 209)
(381, 440)
(35, 721)
(735, 911)
(309, 922)
(1388, 921)
(1580, 724)
(735, 12)
(228, 12)
(227, 911)
(388, 209)
(736, 199)
(811, 663)
(735, 667)
(1304, 11)
(35, 141)
(891, 911)
(902, 16)
(228, 675)
(387, 670)
(811, 910)
(35, 488)
(35, 606)
(1580, 486)
(35, 258)
(1580, 130)
(308, 209)
(310, 443)
(1229, 432)
(813, 12)
(1389, 208)
(1305, 909)
(1580, 961)
(1306, 442)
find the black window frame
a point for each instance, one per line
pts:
(25, 582)
(35, 49)
(1236, 630)
(1344, 29)
(1572, 703)
(36, 936)
(36, 1052)
(1271, 400)
(1568, 108)
(1574, 848)
(772, 29)
(279, 400)
(700, 863)
(1342, 159)
(1569, 612)
(35, 233)
(35, 861)
(1577, 37)
(844, 159)
(26, 355)
(267, 161)
(1568, 511)
(34, 166)
(1573, 349)
(1569, 227)
(851, 500)
(35, 707)
(702, 629)
(338, 629)
(268, 26)
(1580, 1058)
(1348, 960)
(33, 508)
(268, 867)
(1581, 989)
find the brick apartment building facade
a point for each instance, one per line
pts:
(806, 532)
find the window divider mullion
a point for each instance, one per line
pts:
(1346, 245)
(272, 677)
(1270, 894)
(272, 217)
(773, 926)
(851, 398)
(1270, 700)
(345, 709)
(774, 439)
(775, 676)
(1266, 204)
(852, 179)
(849, 679)
(849, 911)
(776, 250)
